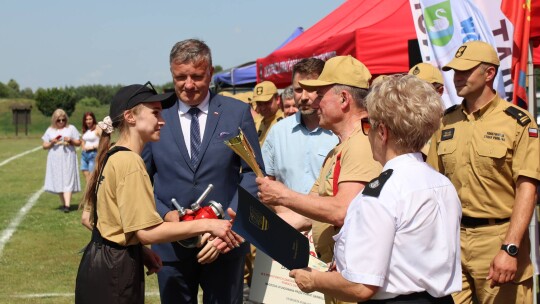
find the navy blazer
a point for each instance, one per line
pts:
(169, 165)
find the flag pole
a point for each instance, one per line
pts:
(533, 226)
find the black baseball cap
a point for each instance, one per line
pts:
(128, 97)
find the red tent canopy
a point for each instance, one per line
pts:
(375, 32)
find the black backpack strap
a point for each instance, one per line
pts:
(113, 150)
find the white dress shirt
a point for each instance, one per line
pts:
(405, 240)
(185, 119)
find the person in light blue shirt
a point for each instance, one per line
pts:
(296, 147)
(294, 155)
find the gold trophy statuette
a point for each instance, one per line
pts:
(240, 145)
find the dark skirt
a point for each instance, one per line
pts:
(110, 273)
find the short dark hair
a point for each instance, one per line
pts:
(308, 66)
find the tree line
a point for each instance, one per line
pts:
(50, 99)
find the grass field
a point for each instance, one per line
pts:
(39, 263)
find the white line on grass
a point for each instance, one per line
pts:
(19, 155)
(12, 227)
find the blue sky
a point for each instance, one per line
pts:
(59, 43)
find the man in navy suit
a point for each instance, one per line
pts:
(183, 163)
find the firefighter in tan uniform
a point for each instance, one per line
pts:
(341, 89)
(265, 94)
(489, 149)
(430, 73)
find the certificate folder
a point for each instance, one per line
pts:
(269, 233)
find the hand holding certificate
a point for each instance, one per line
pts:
(269, 233)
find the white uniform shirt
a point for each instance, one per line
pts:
(185, 120)
(407, 239)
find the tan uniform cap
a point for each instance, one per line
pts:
(264, 91)
(471, 54)
(344, 70)
(427, 72)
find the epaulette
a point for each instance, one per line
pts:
(522, 118)
(451, 109)
(375, 185)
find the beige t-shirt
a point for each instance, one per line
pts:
(357, 165)
(125, 199)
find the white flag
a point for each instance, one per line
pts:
(448, 24)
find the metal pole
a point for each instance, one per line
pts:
(533, 226)
(232, 81)
(532, 102)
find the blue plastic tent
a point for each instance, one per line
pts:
(247, 72)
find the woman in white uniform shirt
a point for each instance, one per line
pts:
(400, 239)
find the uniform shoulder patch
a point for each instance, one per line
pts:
(451, 109)
(375, 185)
(519, 115)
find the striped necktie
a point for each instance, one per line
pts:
(195, 134)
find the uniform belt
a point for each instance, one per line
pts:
(475, 222)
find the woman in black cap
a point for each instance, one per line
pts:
(120, 199)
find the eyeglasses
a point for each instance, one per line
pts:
(61, 120)
(148, 85)
(366, 125)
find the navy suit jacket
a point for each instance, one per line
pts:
(169, 165)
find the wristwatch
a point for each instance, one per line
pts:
(511, 249)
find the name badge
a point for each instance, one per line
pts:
(447, 134)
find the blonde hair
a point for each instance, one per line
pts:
(409, 107)
(56, 114)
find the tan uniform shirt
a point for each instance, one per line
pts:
(483, 154)
(125, 200)
(357, 165)
(263, 128)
